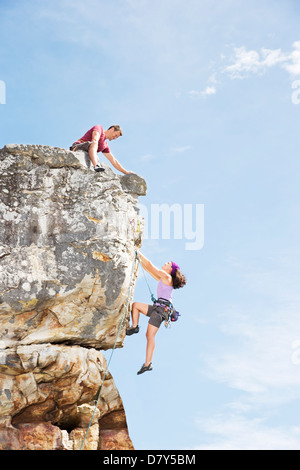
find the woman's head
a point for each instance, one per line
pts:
(178, 278)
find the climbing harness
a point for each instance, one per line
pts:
(169, 312)
(113, 349)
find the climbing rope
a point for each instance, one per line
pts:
(152, 295)
(113, 349)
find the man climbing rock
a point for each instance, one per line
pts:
(94, 141)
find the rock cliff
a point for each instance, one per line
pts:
(67, 244)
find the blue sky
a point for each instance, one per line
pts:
(206, 94)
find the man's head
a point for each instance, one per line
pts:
(113, 132)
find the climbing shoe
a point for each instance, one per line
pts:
(98, 168)
(144, 368)
(132, 330)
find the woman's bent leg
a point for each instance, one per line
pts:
(137, 308)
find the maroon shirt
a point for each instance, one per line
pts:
(102, 145)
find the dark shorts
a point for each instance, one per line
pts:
(81, 146)
(156, 315)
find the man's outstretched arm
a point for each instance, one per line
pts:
(115, 163)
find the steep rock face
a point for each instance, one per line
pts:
(67, 244)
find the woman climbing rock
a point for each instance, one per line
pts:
(169, 277)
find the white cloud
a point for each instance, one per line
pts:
(246, 61)
(260, 362)
(209, 90)
(233, 432)
(180, 149)
(263, 331)
(293, 67)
